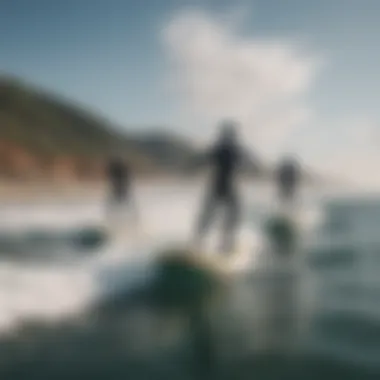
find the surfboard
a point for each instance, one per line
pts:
(226, 262)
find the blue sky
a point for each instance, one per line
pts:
(118, 58)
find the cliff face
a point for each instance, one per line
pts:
(42, 136)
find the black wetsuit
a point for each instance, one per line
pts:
(225, 160)
(287, 178)
(119, 179)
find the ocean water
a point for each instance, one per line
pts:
(323, 305)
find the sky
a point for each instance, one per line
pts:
(299, 76)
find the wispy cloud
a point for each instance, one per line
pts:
(220, 72)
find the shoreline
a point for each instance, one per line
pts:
(25, 191)
(13, 191)
(18, 191)
(38, 190)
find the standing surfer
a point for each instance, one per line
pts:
(225, 157)
(119, 179)
(288, 178)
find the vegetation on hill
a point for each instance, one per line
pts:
(43, 135)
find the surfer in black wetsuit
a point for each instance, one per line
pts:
(287, 177)
(119, 178)
(226, 157)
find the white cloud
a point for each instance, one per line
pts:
(219, 73)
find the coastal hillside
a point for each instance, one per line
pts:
(45, 136)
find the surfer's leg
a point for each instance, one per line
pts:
(116, 202)
(287, 199)
(132, 216)
(111, 203)
(206, 217)
(231, 223)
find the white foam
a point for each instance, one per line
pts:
(50, 292)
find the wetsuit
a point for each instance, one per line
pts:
(287, 178)
(119, 179)
(225, 159)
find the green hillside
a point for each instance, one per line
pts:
(46, 128)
